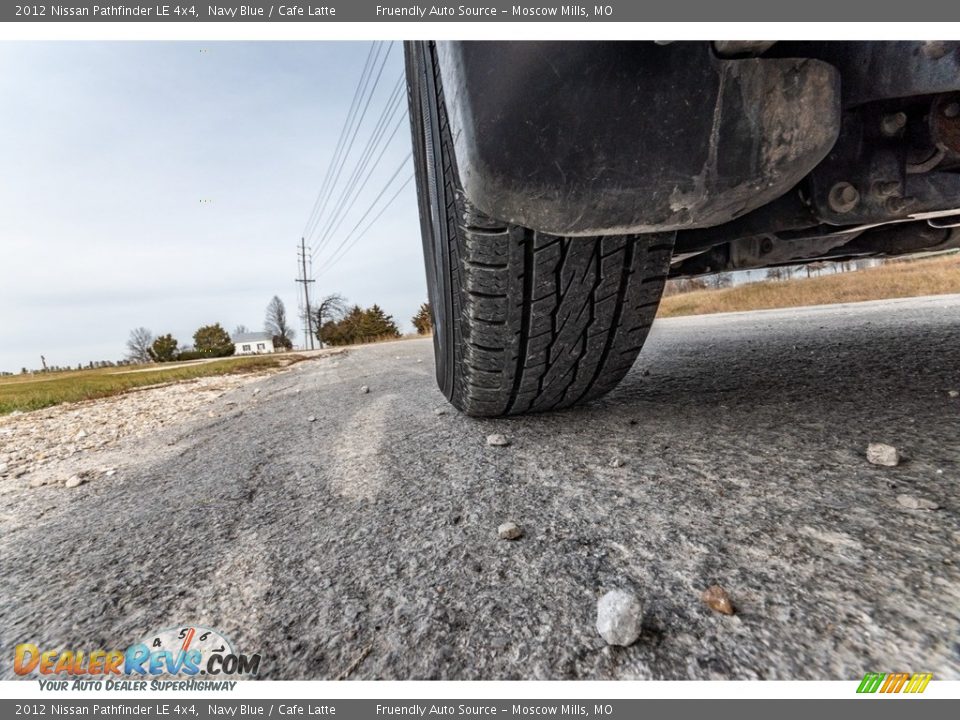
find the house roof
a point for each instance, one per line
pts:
(252, 337)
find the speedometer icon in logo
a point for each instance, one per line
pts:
(182, 639)
(194, 646)
(188, 650)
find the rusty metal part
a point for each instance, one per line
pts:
(893, 124)
(884, 70)
(843, 197)
(945, 125)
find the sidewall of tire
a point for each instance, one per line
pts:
(429, 170)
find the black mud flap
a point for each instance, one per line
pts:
(587, 138)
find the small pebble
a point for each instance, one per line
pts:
(953, 393)
(616, 462)
(916, 503)
(883, 454)
(510, 531)
(497, 440)
(110, 473)
(717, 599)
(440, 411)
(256, 391)
(619, 617)
(312, 418)
(364, 389)
(73, 481)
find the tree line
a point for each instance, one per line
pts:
(334, 322)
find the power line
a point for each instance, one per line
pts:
(363, 232)
(350, 191)
(336, 255)
(347, 123)
(350, 142)
(355, 185)
(372, 204)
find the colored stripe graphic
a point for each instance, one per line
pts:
(918, 683)
(870, 683)
(894, 682)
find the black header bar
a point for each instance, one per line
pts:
(493, 11)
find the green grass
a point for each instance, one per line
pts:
(33, 392)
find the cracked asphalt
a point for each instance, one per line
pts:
(364, 544)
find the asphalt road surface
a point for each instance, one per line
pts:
(364, 544)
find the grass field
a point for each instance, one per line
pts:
(909, 278)
(33, 392)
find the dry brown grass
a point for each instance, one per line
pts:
(907, 278)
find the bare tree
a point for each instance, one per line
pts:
(331, 309)
(240, 330)
(276, 324)
(138, 346)
(719, 280)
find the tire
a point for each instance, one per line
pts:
(523, 321)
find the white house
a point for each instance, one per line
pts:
(253, 343)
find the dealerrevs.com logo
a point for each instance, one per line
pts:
(183, 652)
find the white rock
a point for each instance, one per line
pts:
(497, 440)
(110, 473)
(916, 503)
(256, 391)
(616, 462)
(3, 468)
(80, 435)
(440, 411)
(953, 393)
(510, 531)
(312, 418)
(619, 616)
(882, 454)
(364, 389)
(73, 481)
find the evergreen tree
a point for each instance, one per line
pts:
(164, 348)
(423, 320)
(213, 340)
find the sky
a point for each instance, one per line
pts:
(167, 185)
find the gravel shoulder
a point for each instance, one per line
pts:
(365, 542)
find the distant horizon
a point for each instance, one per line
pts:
(166, 185)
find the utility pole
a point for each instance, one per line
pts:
(306, 290)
